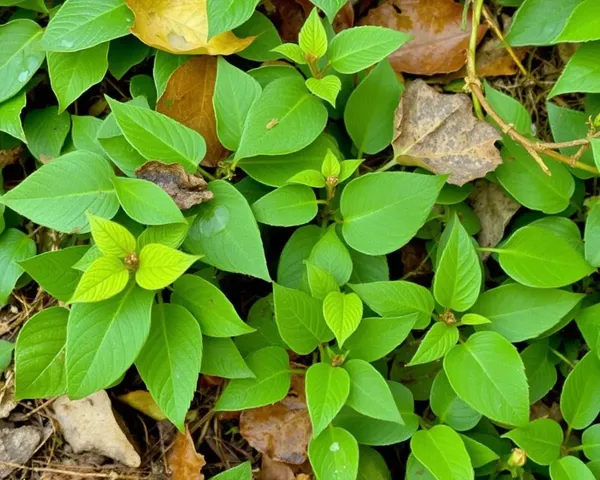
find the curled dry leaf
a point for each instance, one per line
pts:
(188, 99)
(439, 132)
(17, 445)
(440, 44)
(181, 27)
(89, 425)
(142, 401)
(184, 188)
(10, 156)
(494, 209)
(272, 470)
(184, 462)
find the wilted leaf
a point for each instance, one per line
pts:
(272, 470)
(142, 400)
(188, 99)
(181, 26)
(439, 132)
(10, 156)
(184, 462)
(184, 188)
(494, 209)
(439, 45)
(89, 425)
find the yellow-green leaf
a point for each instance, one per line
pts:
(112, 239)
(160, 266)
(106, 277)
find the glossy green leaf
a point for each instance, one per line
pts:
(261, 317)
(327, 389)
(383, 211)
(172, 235)
(104, 278)
(436, 343)
(540, 369)
(14, 247)
(293, 52)
(326, 88)
(84, 133)
(221, 358)
(46, 131)
(310, 178)
(320, 283)
(541, 440)
(334, 455)
(480, 454)
(226, 15)
(111, 238)
(496, 385)
(291, 268)
(125, 53)
(213, 311)
(368, 268)
(371, 465)
(312, 38)
(449, 408)
(581, 73)
(570, 468)
(6, 352)
(582, 25)
(10, 116)
(267, 38)
(331, 255)
(241, 472)
(160, 266)
(271, 382)
(330, 7)
(580, 396)
(590, 440)
(287, 206)
(165, 65)
(169, 362)
(40, 355)
(343, 313)
(509, 109)
(592, 236)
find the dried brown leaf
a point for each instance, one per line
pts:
(184, 462)
(184, 188)
(188, 99)
(494, 209)
(439, 45)
(142, 401)
(272, 470)
(10, 156)
(439, 132)
(281, 431)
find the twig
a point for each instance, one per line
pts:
(113, 476)
(471, 65)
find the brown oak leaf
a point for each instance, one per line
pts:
(439, 45)
(439, 132)
(184, 188)
(184, 462)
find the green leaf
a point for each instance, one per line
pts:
(369, 393)
(111, 238)
(84, 133)
(271, 382)
(40, 355)
(392, 299)
(536, 257)
(540, 370)
(213, 311)
(582, 25)
(10, 116)
(523, 178)
(50, 198)
(293, 52)
(222, 359)
(104, 339)
(310, 178)
(72, 73)
(124, 54)
(450, 409)
(312, 38)
(14, 247)
(171, 235)
(548, 22)
(370, 110)
(241, 472)
(327, 389)
(326, 88)
(334, 455)
(291, 269)
(367, 268)
(155, 135)
(169, 362)
(88, 258)
(330, 7)
(284, 106)
(81, 24)
(590, 440)
(6, 350)
(369, 431)
(355, 49)
(46, 131)
(20, 57)
(226, 15)
(226, 233)
(267, 39)
(145, 202)
(320, 283)
(142, 86)
(165, 65)
(509, 109)
(436, 343)
(376, 337)
(541, 440)
(581, 73)
(160, 266)
(398, 206)
(287, 206)
(331, 255)
(520, 313)
(496, 385)
(105, 278)
(416, 471)
(342, 313)
(53, 271)
(235, 93)
(371, 465)
(570, 468)
(262, 318)
(480, 454)
(441, 451)
(457, 280)
(580, 397)
(592, 236)
(474, 319)
(331, 166)
(300, 319)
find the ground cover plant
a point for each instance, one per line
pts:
(316, 239)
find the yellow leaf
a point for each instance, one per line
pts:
(143, 401)
(181, 26)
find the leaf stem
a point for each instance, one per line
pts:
(297, 371)
(392, 163)
(205, 174)
(491, 250)
(562, 357)
(471, 65)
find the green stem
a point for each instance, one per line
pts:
(205, 174)
(575, 449)
(297, 371)
(471, 65)
(492, 250)
(387, 166)
(562, 357)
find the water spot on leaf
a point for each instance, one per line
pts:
(213, 221)
(335, 447)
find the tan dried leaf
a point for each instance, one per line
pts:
(188, 99)
(142, 401)
(184, 462)
(272, 470)
(439, 132)
(439, 45)
(181, 27)
(494, 209)
(184, 188)
(10, 156)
